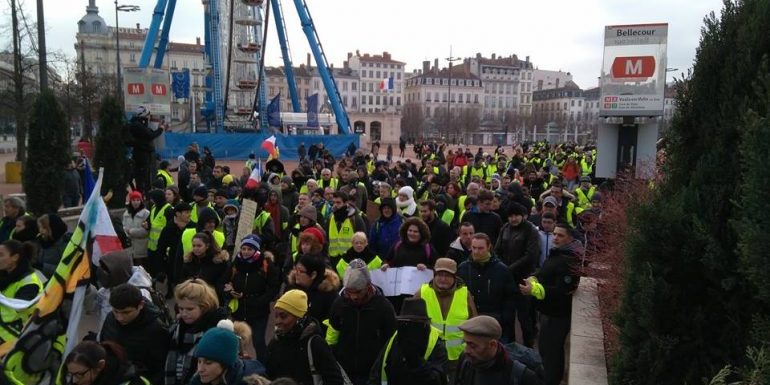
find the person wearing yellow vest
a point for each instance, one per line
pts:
(201, 201)
(449, 304)
(209, 221)
(360, 323)
(327, 180)
(19, 281)
(585, 192)
(306, 217)
(359, 250)
(343, 223)
(415, 353)
(157, 220)
(163, 178)
(206, 260)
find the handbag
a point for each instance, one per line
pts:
(317, 379)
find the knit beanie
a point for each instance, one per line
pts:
(219, 344)
(135, 195)
(357, 275)
(293, 302)
(252, 241)
(316, 233)
(310, 213)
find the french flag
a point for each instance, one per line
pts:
(387, 84)
(269, 146)
(256, 174)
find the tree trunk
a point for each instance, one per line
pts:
(18, 88)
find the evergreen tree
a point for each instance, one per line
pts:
(111, 151)
(687, 308)
(48, 153)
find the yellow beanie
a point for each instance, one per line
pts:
(293, 302)
(227, 179)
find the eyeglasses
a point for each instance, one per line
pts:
(76, 376)
(300, 271)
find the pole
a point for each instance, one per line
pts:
(42, 61)
(18, 85)
(192, 101)
(119, 83)
(450, 59)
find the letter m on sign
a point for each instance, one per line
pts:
(633, 67)
(159, 89)
(135, 88)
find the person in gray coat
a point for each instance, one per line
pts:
(135, 225)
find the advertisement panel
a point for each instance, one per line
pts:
(147, 87)
(633, 79)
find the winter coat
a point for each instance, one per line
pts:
(259, 283)
(145, 341)
(457, 252)
(115, 372)
(287, 355)
(404, 253)
(182, 344)
(321, 294)
(519, 248)
(440, 236)
(384, 234)
(399, 372)
(559, 277)
(132, 225)
(242, 372)
(121, 270)
(51, 250)
(72, 185)
(210, 269)
(491, 285)
(487, 223)
(289, 197)
(499, 372)
(363, 331)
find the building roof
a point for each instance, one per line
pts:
(184, 47)
(458, 72)
(570, 90)
(384, 58)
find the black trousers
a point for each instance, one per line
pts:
(553, 334)
(524, 309)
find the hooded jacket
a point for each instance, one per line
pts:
(400, 372)
(363, 329)
(287, 355)
(259, 282)
(230, 227)
(384, 233)
(321, 294)
(51, 250)
(457, 252)
(491, 285)
(208, 268)
(132, 225)
(145, 340)
(117, 268)
(519, 247)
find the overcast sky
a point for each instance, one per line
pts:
(556, 34)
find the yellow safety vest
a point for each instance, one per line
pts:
(432, 341)
(157, 223)
(261, 220)
(332, 183)
(449, 327)
(195, 209)
(585, 167)
(13, 321)
(342, 266)
(584, 199)
(188, 235)
(340, 240)
(448, 216)
(166, 176)
(293, 239)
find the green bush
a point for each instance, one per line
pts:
(111, 151)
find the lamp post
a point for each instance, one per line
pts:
(450, 59)
(120, 8)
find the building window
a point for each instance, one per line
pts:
(353, 101)
(427, 112)
(353, 86)
(565, 105)
(580, 103)
(371, 99)
(398, 75)
(315, 84)
(132, 57)
(371, 87)
(377, 100)
(363, 100)
(344, 86)
(572, 103)
(378, 74)
(398, 100)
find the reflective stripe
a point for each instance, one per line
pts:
(260, 221)
(449, 327)
(432, 341)
(12, 320)
(340, 240)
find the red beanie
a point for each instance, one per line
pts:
(316, 233)
(135, 195)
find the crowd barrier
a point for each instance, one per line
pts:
(239, 146)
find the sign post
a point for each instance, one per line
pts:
(633, 84)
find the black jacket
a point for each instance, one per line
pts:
(499, 373)
(115, 372)
(210, 269)
(320, 296)
(487, 223)
(440, 236)
(259, 285)
(287, 355)
(363, 332)
(145, 341)
(519, 248)
(457, 252)
(411, 254)
(401, 372)
(491, 285)
(559, 277)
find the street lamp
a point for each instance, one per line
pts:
(120, 8)
(450, 59)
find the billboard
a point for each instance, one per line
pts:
(633, 77)
(147, 87)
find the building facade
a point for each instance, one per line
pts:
(372, 70)
(507, 83)
(549, 80)
(559, 112)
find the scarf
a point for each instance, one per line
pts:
(275, 213)
(408, 207)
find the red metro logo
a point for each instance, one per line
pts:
(636, 68)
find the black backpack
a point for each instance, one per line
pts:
(526, 357)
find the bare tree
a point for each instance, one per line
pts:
(412, 119)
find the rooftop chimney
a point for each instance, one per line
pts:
(527, 60)
(197, 40)
(345, 63)
(308, 60)
(386, 55)
(137, 26)
(435, 65)
(426, 66)
(350, 55)
(494, 56)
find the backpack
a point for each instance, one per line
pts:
(159, 301)
(525, 358)
(317, 379)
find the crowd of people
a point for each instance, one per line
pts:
(294, 301)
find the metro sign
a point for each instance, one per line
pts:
(159, 89)
(633, 67)
(136, 88)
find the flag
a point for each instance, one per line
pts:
(36, 356)
(312, 110)
(274, 111)
(255, 176)
(387, 84)
(269, 146)
(88, 175)
(180, 84)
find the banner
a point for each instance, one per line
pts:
(633, 78)
(274, 111)
(312, 110)
(180, 83)
(400, 280)
(246, 220)
(147, 87)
